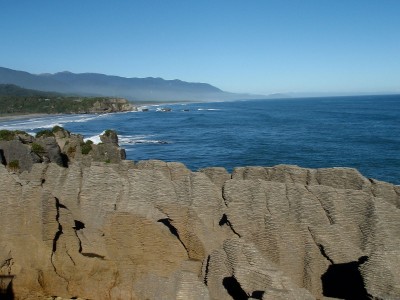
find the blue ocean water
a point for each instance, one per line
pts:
(361, 132)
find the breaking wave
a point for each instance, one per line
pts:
(46, 122)
(138, 139)
(208, 109)
(95, 138)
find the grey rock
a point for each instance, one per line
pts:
(15, 150)
(111, 105)
(52, 151)
(110, 136)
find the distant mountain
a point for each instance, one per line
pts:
(17, 91)
(135, 89)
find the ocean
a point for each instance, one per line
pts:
(361, 132)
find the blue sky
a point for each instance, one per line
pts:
(254, 46)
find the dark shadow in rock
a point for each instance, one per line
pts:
(344, 281)
(174, 231)
(234, 289)
(171, 227)
(6, 287)
(78, 225)
(64, 160)
(224, 221)
(257, 294)
(2, 158)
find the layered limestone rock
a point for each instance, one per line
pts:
(156, 230)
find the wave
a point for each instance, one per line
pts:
(49, 125)
(83, 120)
(95, 138)
(128, 139)
(209, 109)
(138, 139)
(30, 125)
(46, 122)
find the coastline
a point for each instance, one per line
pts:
(10, 117)
(4, 118)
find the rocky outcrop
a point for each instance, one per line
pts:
(19, 151)
(111, 105)
(156, 230)
(76, 149)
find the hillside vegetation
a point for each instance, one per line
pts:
(17, 100)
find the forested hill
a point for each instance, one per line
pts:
(14, 90)
(16, 100)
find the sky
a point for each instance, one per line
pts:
(252, 46)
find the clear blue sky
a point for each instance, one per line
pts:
(255, 46)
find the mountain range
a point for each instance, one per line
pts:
(134, 89)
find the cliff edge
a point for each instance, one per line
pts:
(156, 230)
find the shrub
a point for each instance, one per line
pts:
(108, 132)
(107, 161)
(20, 132)
(71, 150)
(57, 129)
(86, 147)
(14, 165)
(38, 149)
(6, 135)
(44, 133)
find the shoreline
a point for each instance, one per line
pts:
(11, 117)
(4, 118)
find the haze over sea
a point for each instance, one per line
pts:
(360, 132)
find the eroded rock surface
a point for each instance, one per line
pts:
(156, 230)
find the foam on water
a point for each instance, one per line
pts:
(208, 109)
(138, 139)
(95, 138)
(46, 122)
(128, 139)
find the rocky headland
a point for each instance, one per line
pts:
(16, 101)
(78, 220)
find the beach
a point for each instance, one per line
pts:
(4, 118)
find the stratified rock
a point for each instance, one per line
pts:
(156, 230)
(217, 175)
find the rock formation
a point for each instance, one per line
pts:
(19, 150)
(156, 230)
(111, 105)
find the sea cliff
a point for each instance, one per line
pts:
(93, 228)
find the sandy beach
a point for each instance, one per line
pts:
(4, 118)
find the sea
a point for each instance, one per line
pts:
(361, 132)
